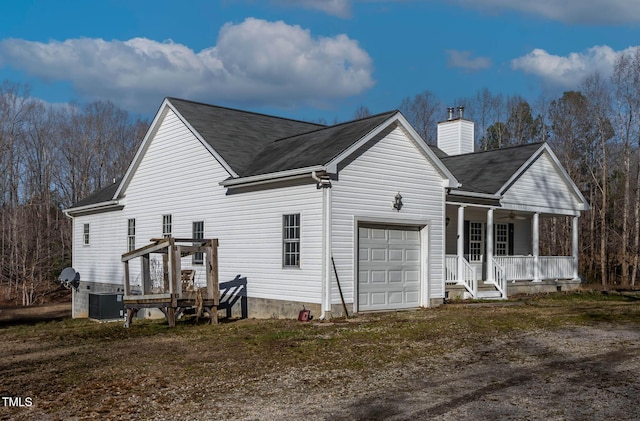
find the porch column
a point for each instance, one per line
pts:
(490, 245)
(460, 244)
(574, 248)
(535, 235)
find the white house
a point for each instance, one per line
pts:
(294, 204)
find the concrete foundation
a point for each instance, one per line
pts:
(518, 288)
(80, 307)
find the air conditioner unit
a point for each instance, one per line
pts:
(106, 306)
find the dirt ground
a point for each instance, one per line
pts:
(565, 362)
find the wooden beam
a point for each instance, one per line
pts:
(150, 248)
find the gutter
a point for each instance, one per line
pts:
(472, 194)
(92, 207)
(270, 177)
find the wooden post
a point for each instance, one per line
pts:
(145, 273)
(213, 284)
(127, 286)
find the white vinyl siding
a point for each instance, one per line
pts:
(365, 191)
(541, 176)
(101, 261)
(178, 176)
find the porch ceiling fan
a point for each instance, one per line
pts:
(512, 217)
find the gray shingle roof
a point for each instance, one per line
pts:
(318, 147)
(238, 136)
(103, 195)
(487, 172)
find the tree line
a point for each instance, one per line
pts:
(51, 156)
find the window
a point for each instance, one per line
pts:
(85, 234)
(475, 241)
(291, 240)
(502, 239)
(131, 234)
(166, 226)
(198, 232)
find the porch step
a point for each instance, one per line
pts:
(489, 294)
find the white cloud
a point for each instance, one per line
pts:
(570, 11)
(465, 60)
(569, 71)
(265, 63)
(339, 8)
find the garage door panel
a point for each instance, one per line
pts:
(379, 255)
(411, 276)
(377, 234)
(395, 276)
(396, 298)
(412, 297)
(396, 255)
(378, 277)
(378, 298)
(389, 268)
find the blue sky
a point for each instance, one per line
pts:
(308, 59)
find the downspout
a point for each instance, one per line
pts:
(324, 183)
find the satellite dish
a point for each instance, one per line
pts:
(69, 278)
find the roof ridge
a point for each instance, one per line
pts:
(337, 125)
(497, 149)
(246, 111)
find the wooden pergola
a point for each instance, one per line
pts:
(177, 291)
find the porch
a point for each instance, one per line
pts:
(493, 252)
(512, 275)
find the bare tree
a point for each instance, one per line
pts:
(422, 112)
(626, 81)
(362, 112)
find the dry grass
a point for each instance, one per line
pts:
(79, 369)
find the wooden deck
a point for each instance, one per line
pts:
(177, 291)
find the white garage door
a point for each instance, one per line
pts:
(389, 268)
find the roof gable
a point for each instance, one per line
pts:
(542, 182)
(238, 136)
(314, 148)
(487, 172)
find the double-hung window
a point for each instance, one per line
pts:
(291, 240)
(131, 234)
(85, 234)
(166, 226)
(198, 233)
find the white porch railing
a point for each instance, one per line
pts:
(517, 268)
(500, 279)
(451, 269)
(468, 278)
(521, 268)
(556, 267)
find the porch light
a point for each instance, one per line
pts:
(397, 204)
